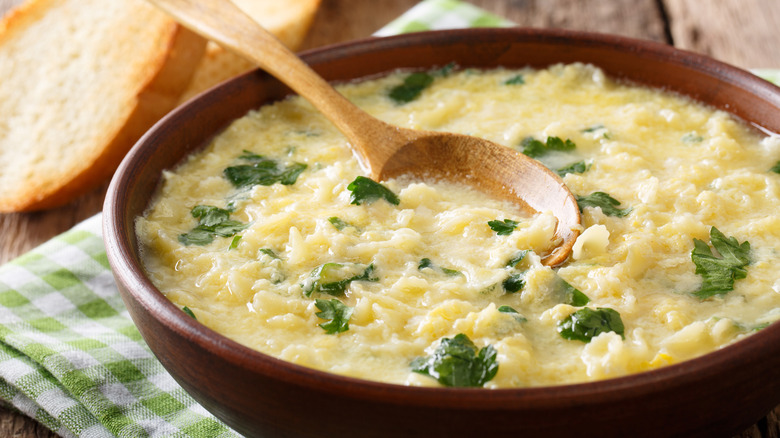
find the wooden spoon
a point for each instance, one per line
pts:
(387, 151)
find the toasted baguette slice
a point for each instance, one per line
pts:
(288, 20)
(82, 80)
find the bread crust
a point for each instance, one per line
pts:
(150, 89)
(289, 21)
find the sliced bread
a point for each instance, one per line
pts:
(82, 80)
(288, 20)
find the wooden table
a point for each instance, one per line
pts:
(745, 33)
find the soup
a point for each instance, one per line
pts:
(271, 236)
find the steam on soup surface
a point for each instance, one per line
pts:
(271, 237)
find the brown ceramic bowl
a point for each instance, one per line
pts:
(715, 395)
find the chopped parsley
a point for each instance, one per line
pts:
(692, 137)
(270, 253)
(212, 222)
(456, 363)
(571, 294)
(338, 223)
(503, 228)
(515, 80)
(189, 312)
(607, 203)
(585, 324)
(759, 327)
(535, 148)
(209, 215)
(514, 283)
(427, 263)
(517, 258)
(334, 278)
(367, 190)
(719, 273)
(594, 128)
(444, 71)
(776, 168)
(337, 314)
(263, 171)
(411, 88)
(578, 167)
(518, 317)
(234, 242)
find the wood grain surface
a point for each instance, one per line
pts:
(742, 32)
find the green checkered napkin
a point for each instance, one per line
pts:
(70, 356)
(442, 14)
(768, 74)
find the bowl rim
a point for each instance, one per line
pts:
(122, 257)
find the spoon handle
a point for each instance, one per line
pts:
(226, 24)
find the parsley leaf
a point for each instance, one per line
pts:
(594, 128)
(535, 148)
(760, 327)
(455, 362)
(367, 190)
(503, 228)
(338, 223)
(212, 222)
(197, 236)
(719, 274)
(692, 137)
(578, 167)
(209, 215)
(250, 175)
(411, 88)
(189, 312)
(517, 258)
(515, 80)
(336, 312)
(290, 174)
(518, 317)
(427, 263)
(776, 168)
(607, 203)
(571, 294)
(269, 252)
(556, 144)
(228, 228)
(234, 242)
(585, 324)
(333, 278)
(263, 171)
(514, 283)
(251, 156)
(444, 71)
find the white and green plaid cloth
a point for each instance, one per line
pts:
(70, 356)
(442, 14)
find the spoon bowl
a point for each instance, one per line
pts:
(387, 151)
(491, 168)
